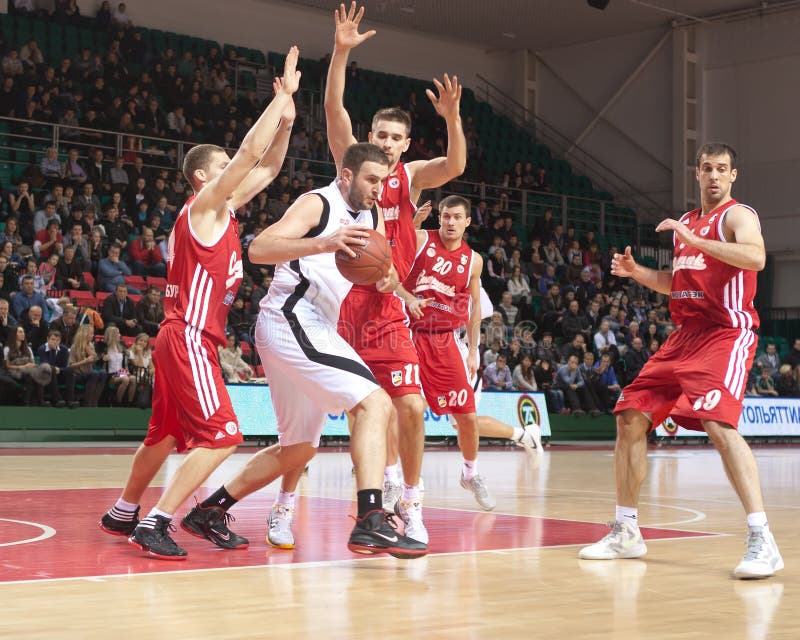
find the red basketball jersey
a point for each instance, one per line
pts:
(705, 290)
(444, 276)
(202, 280)
(398, 215)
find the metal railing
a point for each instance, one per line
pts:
(579, 159)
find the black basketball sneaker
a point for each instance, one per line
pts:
(211, 523)
(375, 533)
(152, 537)
(119, 523)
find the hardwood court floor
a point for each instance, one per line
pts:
(512, 573)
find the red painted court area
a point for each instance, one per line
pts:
(70, 544)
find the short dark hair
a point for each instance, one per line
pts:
(198, 158)
(716, 149)
(456, 201)
(392, 114)
(54, 332)
(361, 152)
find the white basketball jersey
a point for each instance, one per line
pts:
(315, 279)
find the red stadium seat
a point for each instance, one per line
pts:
(88, 278)
(138, 282)
(128, 340)
(83, 298)
(259, 371)
(101, 297)
(158, 283)
(135, 297)
(246, 348)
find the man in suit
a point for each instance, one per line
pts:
(119, 309)
(56, 355)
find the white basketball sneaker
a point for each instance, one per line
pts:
(391, 494)
(531, 439)
(280, 527)
(762, 558)
(623, 541)
(479, 489)
(411, 515)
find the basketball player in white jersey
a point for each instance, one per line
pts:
(311, 369)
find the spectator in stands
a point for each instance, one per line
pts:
(55, 354)
(140, 363)
(102, 19)
(87, 198)
(11, 234)
(544, 375)
(605, 341)
(765, 386)
(146, 258)
(118, 177)
(150, 311)
(8, 97)
(115, 359)
(31, 269)
(786, 384)
(117, 229)
(6, 321)
(547, 281)
(21, 204)
(653, 346)
(31, 56)
(62, 197)
(98, 177)
(20, 364)
(793, 357)
(78, 240)
(119, 309)
(576, 396)
(73, 169)
(635, 358)
(69, 273)
(497, 375)
(36, 327)
(12, 65)
(51, 168)
(98, 247)
(47, 273)
(523, 377)
(574, 322)
(66, 325)
(232, 363)
(26, 298)
(495, 282)
(121, 20)
(519, 288)
(547, 350)
(112, 271)
(82, 360)
(577, 348)
(510, 311)
(585, 290)
(610, 388)
(45, 215)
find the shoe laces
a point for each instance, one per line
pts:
(617, 531)
(479, 486)
(282, 515)
(224, 521)
(755, 544)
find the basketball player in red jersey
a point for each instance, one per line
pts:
(191, 407)
(374, 323)
(699, 374)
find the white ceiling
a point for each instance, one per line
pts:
(537, 24)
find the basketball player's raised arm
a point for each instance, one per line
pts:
(262, 175)
(744, 248)
(474, 322)
(285, 240)
(215, 195)
(339, 126)
(427, 174)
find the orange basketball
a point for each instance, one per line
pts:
(372, 261)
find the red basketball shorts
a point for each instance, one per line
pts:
(190, 401)
(443, 373)
(375, 326)
(697, 374)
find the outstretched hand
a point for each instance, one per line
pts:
(290, 82)
(347, 35)
(623, 264)
(416, 307)
(289, 112)
(684, 233)
(422, 214)
(447, 103)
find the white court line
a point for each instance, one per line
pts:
(47, 532)
(328, 563)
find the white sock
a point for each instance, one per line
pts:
(628, 514)
(390, 474)
(157, 512)
(285, 498)
(757, 519)
(470, 468)
(121, 505)
(410, 493)
(518, 431)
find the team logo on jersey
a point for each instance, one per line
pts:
(695, 263)
(442, 400)
(228, 299)
(394, 182)
(528, 412)
(460, 268)
(397, 378)
(704, 231)
(430, 252)
(344, 221)
(464, 259)
(231, 428)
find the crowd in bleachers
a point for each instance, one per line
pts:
(83, 238)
